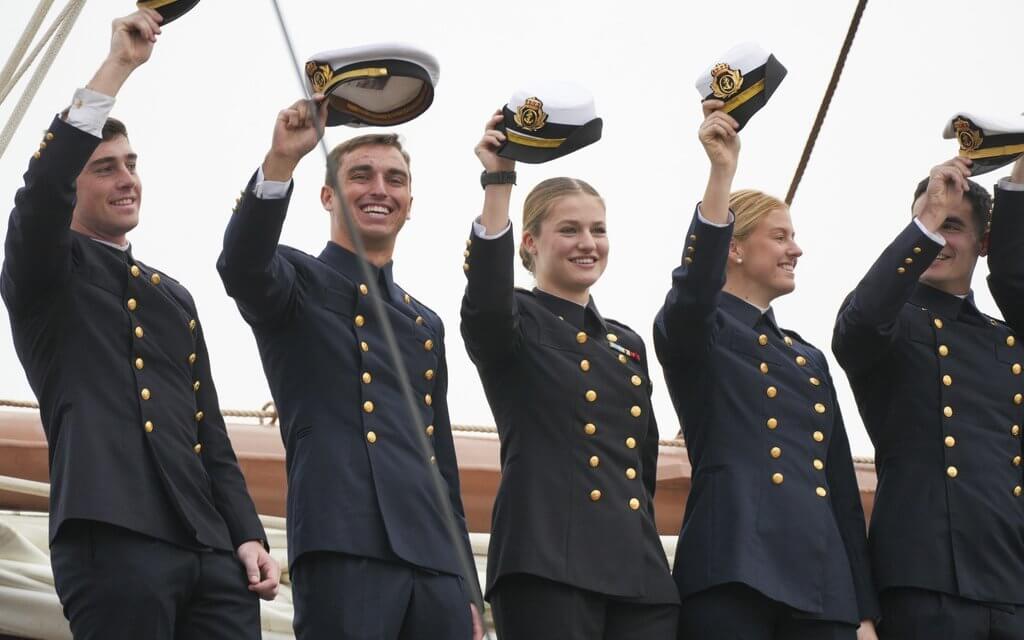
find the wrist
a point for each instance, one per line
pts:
(278, 167)
(722, 172)
(109, 78)
(497, 179)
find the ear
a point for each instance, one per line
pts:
(529, 242)
(327, 198)
(983, 244)
(408, 214)
(734, 251)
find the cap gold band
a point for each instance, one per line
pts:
(994, 152)
(529, 141)
(744, 96)
(369, 72)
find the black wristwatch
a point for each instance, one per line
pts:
(497, 177)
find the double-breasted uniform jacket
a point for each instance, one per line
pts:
(570, 395)
(774, 502)
(939, 387)
(358, 479)
(114, 352)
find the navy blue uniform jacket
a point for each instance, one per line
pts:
(774, 502)
(358, 478)
(571, 398)
(114, 352)
(939, 387)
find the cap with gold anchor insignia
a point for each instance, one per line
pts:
(991, 142)
(744, 78)
(374, 85)
(547, 120)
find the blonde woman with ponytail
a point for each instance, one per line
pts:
(773, 543)
(574, 552)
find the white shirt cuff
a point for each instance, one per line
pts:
(931, 234)
(700, 216)
(480, 230)
(270, 189)
(89, 111)
(1007, 185)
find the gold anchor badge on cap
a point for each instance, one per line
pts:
(725, 81)
(530, 115)
(969, 136)
(319, 75)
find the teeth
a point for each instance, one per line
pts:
(787, 267)
(376, 209)
(124, 201)
(583, 260)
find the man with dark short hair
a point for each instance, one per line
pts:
(369, 545)
(152, 531)
(939, 386)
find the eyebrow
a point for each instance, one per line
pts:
(109, 159)
(366, 167)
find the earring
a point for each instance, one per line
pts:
(739, 260)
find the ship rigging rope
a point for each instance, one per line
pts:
(56, 35)
(827, 100)
(269, 413)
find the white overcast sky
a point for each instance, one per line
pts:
(201, 111)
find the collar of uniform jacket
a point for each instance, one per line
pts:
(747, 313)
(943, 304)
(573, 313)
(347, 264)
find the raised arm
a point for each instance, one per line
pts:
(254, 273)
(490, 320)
(37, 255)
(1006, 243)
(868, 321)
(684, 327)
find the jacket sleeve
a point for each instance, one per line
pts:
(230, 494)
(444, 447)
(251, 267)
(684, 328)
(849, 513)
(868, 321)
(37, 252)
(1006, 256)
(490, 317)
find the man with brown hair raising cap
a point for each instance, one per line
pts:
(939, 386)
(370, 546)
(152, 531)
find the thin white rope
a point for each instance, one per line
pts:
(75, 8)
(8, 86)
(26, 38)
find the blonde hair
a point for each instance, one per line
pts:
(749, 206)
(539, 202)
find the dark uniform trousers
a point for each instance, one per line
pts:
(138, 451)
(775, 504)
(940, 388)
(359, 480)
(381, 600)
(573, 521)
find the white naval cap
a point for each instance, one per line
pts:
(376, 84)
(745, 77)
(990, 141)
(545, 120)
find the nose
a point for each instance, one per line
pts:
(378, 186)
(125, 178)
(585, 242)
(795, 250)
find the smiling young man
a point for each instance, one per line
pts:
(369, 545)
(152, 531)
(939, 386)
